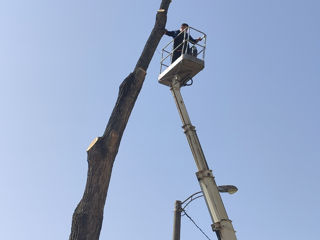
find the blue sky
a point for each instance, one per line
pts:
(255, 107)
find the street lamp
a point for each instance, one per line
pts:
(228, 188)
(180, 208)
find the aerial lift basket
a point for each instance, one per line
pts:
(188, 64)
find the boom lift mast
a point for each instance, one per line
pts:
(175, 76)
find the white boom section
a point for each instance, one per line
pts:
(222, 225)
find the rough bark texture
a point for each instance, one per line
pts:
(88, 216)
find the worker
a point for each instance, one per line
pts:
(178, 45)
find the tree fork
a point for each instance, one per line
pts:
(88, 215)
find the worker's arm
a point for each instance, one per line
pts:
(192, 40)
(170, 33)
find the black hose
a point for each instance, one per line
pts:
(188, 84)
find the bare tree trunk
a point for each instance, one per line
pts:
(88, 216)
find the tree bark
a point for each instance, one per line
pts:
(88, 215)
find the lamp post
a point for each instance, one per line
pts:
(178, 207)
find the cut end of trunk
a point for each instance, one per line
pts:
(92, 143)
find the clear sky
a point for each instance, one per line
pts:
(255, 107)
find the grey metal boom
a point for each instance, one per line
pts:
(222, 225)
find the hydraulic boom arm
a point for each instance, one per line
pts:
(222, 225)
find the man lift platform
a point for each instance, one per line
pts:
(175, 76)
(189, 63)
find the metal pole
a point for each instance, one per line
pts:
(177, 221)
(222, 225)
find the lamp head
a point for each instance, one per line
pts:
(228, 188)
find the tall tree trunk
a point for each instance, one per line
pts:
(88, 216)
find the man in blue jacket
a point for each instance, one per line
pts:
(179, 46)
